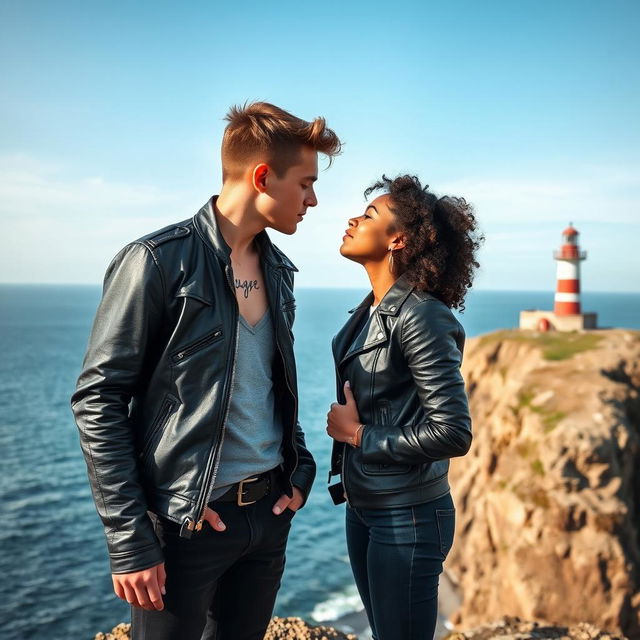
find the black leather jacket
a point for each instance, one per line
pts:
(404, 371)
(152, 399)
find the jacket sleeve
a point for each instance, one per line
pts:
(125, 326)
(305, 472)
(431, 342)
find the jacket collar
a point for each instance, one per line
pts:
(392, 301)
(346, 344)
(207, 227)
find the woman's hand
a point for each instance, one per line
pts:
(343, 421)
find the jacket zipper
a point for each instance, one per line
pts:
(189, 524)
(344, 446)
(210, 483)
(344, 472)
(210, 475)
(286, 379)
(196, 346)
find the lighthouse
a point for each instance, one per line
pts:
(568, 257)
(567, 314)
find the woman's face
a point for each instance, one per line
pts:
(371, 234)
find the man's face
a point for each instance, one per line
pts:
(285, 200)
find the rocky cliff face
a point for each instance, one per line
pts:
(548, 498)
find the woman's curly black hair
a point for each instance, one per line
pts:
(441, 241)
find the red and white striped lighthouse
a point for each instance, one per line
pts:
(566, 314)
(567, 298)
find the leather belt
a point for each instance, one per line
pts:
(249, 490)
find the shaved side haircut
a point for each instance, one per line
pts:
(262, 132)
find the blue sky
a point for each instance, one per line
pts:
(112, 113)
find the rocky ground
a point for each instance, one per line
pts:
(505, 629)
(279, 629)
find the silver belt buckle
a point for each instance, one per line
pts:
(241, 502)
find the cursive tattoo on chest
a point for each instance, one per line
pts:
(247, 286)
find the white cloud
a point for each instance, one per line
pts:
(62, 229)
(30, 188)
(58, 227)
(595, 194)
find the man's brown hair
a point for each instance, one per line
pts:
(262, 131)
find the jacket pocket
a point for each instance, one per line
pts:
(391, 468)
(195, 346)
(385, 469)
(155, 433)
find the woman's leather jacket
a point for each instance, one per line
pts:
(404, 371)
(153, 395)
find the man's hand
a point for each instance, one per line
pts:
(214, 520)
(285, 502)
(343, 420)
(142, 588)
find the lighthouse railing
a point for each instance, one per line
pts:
(573, 255)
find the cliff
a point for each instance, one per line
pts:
(548, 496)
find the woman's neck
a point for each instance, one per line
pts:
(381, 279)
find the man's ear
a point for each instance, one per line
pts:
(259, 177)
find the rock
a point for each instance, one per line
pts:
(298, 629)
(548, 498)
(120, 632)
(279, 629)
(512, 628)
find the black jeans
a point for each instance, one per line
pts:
(220, 585)
(396, 556)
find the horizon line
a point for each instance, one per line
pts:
(319, 287)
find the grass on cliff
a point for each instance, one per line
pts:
(537, 467)
(554, 345)
(550, 418)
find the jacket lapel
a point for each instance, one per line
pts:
(347, 343)
(375, 334)
(343, 339)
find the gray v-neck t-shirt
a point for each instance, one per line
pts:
(253, 437)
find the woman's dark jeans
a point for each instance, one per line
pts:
(396, 556)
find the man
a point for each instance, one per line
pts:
(187, 401)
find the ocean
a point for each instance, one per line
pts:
(56, 581)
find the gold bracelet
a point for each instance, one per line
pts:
(354, 442)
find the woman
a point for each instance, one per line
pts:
(404, 411)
